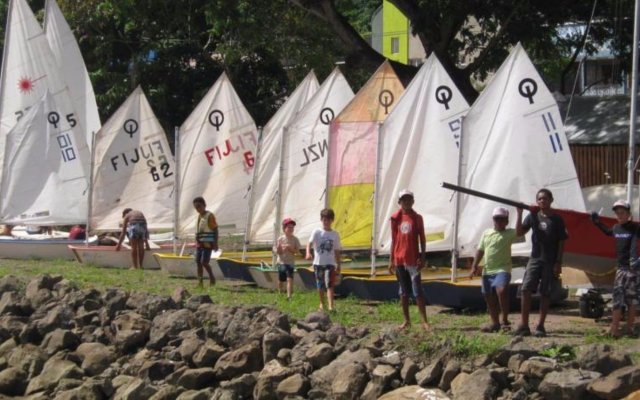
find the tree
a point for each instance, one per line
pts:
(472, 37)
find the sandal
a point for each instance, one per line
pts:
(522, 331)
(505, 327)
(489, 328)
(540, 331)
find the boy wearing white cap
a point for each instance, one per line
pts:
(627, 280)
(407, 258)
(495, 247)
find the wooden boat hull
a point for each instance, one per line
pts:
(108, 257)
(45, 249)
(184, 266)
(267, 278)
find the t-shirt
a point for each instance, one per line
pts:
(287, 257)
(325, 243)
(546, 234)
(407, 229)
(206, 224)
(626, 236)
(497, 250)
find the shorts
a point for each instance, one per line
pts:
(325, 276)
(203, 255)
(137, 230)
(625, 288)
(495, 281)
(539, 277)
(409, 278)
(285, 271)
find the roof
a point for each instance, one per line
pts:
(597, 120)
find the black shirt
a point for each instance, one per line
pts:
(626, 236)
(546, 234)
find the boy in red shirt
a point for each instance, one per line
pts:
(407, 258)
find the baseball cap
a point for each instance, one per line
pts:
(288, 221)
(621, 203)
(500, 212)
(405, 192)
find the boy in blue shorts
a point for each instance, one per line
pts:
(286, 247)
(495, 248)
(326, 257)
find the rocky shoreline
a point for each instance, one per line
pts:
(62, 342)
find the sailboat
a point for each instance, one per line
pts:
(215, 155)
(29, 71)
(132, 168)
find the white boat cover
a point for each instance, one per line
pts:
(264, 194)
(514, 143)
(69, 59)
(47, 184)
(305, 153)
(217, 149)
(419, 149)
(133, 168)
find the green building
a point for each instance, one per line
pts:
(391, 36)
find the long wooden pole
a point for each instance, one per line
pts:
(483, 195)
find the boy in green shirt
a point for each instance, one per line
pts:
(495, 247)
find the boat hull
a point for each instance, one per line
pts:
(45, 249)
(267, 278)
(184, 266)
(108, 257)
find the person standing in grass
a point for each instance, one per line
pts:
(495, 247)
(326, 257)
(134, 226)
(545, 263)
(408, 257)
(627, 280)
(286, 247)
(206, 239)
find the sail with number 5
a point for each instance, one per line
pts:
(133, 168)
(217, 149)
(514, 143)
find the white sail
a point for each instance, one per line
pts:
(304, 169)
(217, 149)
(514, 143)
(419, 149)
(69, 59)
(133, 168)
(267, 172)
(28, 71)
(46, 184)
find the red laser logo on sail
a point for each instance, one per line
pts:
(26, 85)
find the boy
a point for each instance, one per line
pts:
(206, 239)
(625, 284)
(286, 247)
(408, 255)
(545, 263)
(326, 257)
(134, 226)
(495, 247)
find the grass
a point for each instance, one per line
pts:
(455, 332)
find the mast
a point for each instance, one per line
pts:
(176, 187)
(376, 186)
(633, 105)
(92, 166)
(456, 218)
(247, 228)
(278, 216)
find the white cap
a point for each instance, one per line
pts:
(621, 203)
(500, 212)
(405, 192)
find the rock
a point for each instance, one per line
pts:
(268, 379)
(60, 339)
(60, 317)
(478, 385)
(617, 384)
(156, 370)
(323, 378)
(350, 382)
(633, 396)
(135, 390)
(372, 391)
(515, 361)
(180, 295)
(320, 355)
(414, 393)
(64, 287)
(431, 374)
(10, 283)
(96, 357)
(408, 372)
(167, 392)
(284, 356)
(114, 300)
(204, 394)
(245, 359)
(196, 379)
(13, 381)
(153, 306)
(318, 320)
(567, 384)
(12, 325)
(451, 370)
(168, 325)
(208, 354)
(196, 300)
(13, 303)
(53, 371)
(28, 358)
(537, 367)
(131, 331)
(517, 346)
(295, 385)
(90, 390)
(273, 341)
(240, 387)
(601, 358)
(383, 374)
(189, 347)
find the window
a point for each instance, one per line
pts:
(395, 45)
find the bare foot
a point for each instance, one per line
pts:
(212, 282)
(426, 327)
(404, 327)
(321, 307)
